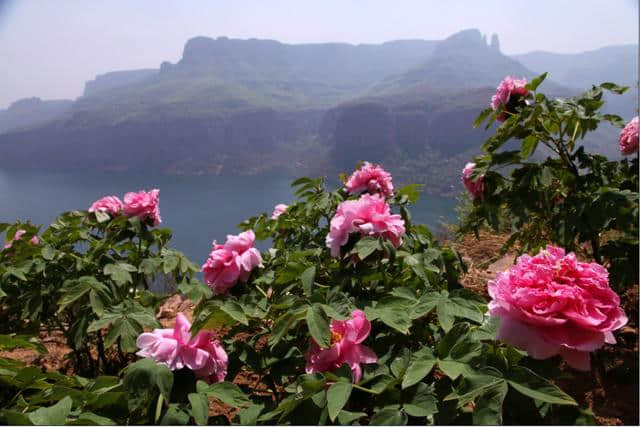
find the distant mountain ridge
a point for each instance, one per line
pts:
(232, 106)
(29, 112)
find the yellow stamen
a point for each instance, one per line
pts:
(335, 337)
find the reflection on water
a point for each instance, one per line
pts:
(199, 209)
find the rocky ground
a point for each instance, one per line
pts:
(610, 390)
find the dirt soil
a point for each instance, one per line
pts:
(610, 390)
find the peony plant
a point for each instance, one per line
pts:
(357, 316)
(89, 276)
(562, 195)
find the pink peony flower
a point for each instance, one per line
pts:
(108, 204)
(628, 139)
(507, 88)
(35, 240)
(279, 210)
(370, 215)
(232, 262)
(176, 348)
(476, 188)
(143, 205)
(370, 178)
(346, 347)
(554, 304)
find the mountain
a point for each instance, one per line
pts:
(462, 61)
(580, 70)
(29, 112)
(114, 79)
(618, 64)
(241, 107)
(421, 121)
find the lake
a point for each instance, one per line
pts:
(199, 209)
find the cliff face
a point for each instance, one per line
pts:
(30, 112)
(420, 122)
(242, 144)
(242, 107)
(114, 79)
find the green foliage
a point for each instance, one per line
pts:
(436, 349)
(89, 278)
(572, 198)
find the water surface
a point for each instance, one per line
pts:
(199, 209)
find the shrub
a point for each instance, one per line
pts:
(88, 277)
(575, 199)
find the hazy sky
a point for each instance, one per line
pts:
(50, 48)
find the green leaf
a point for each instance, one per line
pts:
(612, 87)
(365, 247)
(281, 327)
(535, 82)
(234, 310)
(118, 273)
(127, 330)
(48, 253)
(412, 191)
(199, 408)
(420, 365)
(483, 115)
(249, 416)
(143, 380)
(400, 364)
(89, 418)
(530, 384)
(488, 409)
(71, 291)
(319, 325)
(421, 402)
(13, 341)
(96, 303)
(175, 416)
(389, 417)
(171, 262)
(150, 266)
(226, 392)
(337, 396)
(9, 417)
(53, 415)
(472, 386)
(529, 145)
(395, 312)
(307, 277)
(346, 417)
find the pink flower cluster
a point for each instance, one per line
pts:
(232, 262)
(176, 348)
(509, 87)
(628, 139)
(346, 347)
(475, 187)
(370, 215)
(278, 210)
(554, 304)
(18, 235)
(370, 178)
(143, 204)
(111, 205)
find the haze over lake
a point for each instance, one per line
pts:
(198, 209)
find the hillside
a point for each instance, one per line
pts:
(244, 107)
(31, 112)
